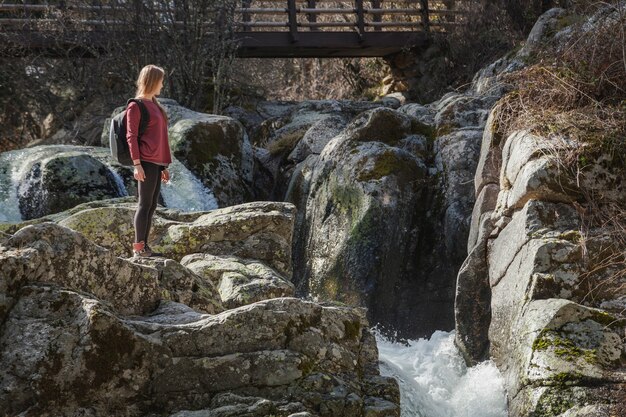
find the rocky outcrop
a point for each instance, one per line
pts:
(405, 173)
(287, 133)
(85, 331)
(533, 294)
(67, 352)
(259, 230)
(239, 281)
(525, 280)
(52, 254)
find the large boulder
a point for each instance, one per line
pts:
(53, 254)
(239, 281)
(48, 179)
(366, 184)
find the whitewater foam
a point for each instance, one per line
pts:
(435, 382)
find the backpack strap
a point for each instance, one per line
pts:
(145, 116)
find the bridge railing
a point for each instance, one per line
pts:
(253, 15)
(359, 15)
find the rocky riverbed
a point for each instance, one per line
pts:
(288, 232)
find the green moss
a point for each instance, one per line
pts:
(606, 319)
(563, 347)
(306, 366)
(423, 129)
(285, 144)
(555, 401)
(566, 378)
(573, 236)
(352, 329)
(387, 163)
(363, 229)
(347, 199)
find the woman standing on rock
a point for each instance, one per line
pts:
(151, 154)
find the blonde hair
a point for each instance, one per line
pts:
(147, 82)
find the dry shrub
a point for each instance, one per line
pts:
(578, 90)
(604, 232)
(309, 78)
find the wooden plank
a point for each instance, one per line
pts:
(425, 17)
(394, 24)
(360, 19)
(377, 17)
(293, 20)
(328, 24)
(311, 16)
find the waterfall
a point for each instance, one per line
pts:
(14, 167)
(119, 183)
(434, 381)
(183, 192)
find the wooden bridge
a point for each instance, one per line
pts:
(263, 28)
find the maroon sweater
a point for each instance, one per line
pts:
(153, 145)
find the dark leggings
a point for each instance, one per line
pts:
(148, 191)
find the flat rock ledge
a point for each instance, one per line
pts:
(86, 332)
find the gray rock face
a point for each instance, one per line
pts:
(532, 294)
(541, 32)
(524, 281)
(259, 230)
(65, 351)
(290, 133)
(373, 180)
(85, 331)
(239, 281)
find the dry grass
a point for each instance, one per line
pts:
(579, 92)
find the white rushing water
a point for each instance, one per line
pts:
(15, 165)
(185, 191)
(434, 381)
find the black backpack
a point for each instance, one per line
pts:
(117, 133)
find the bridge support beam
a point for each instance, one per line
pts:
(326, 44)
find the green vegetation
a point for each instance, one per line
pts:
(352, 328)
(563, 347)
(385, 164)
(553, 402)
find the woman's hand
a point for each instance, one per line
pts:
(139, 174)
(165, 175)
